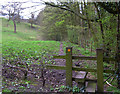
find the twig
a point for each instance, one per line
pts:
(25, 71)
(112, 79)
(108, 83)
(108, 78)
(42, 76)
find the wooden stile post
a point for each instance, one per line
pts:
(100, 85)
(69, 66)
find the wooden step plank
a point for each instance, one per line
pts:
(91, 87)
(80, 77)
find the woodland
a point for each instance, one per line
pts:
(84, 26)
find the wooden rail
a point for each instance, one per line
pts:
(99, 70)
(78, 69)
(84, 58)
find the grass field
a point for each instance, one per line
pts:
(27, 37)
(24, 32)
(27, 45)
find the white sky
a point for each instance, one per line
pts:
(26, 13)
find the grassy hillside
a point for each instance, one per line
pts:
(28, 46)
(24, 31)
(25, 46)
(33, 35)
(0, 36)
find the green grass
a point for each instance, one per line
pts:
(29, 51)
(27, 46)
(24, 31)
(113, 89)
(77, 49)
(6, 90)
(0, 36)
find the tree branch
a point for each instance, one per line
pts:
(65, 7)
(108, 8)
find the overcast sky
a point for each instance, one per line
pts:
(26, 12)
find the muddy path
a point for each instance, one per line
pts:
(50, 82)
(60, 62)
(34, 83)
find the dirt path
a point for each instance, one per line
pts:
(60, 62)
(61, 52)
(56, 78)
(53, 78)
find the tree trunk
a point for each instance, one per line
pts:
(14, 26)
(9, 16)
(82, 25)
(31, 25)
(118, 46)
(91, 48)
(91, 31)
(100, 23)
(102, 32)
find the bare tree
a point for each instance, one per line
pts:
(13, 10)
(15, 13)
(31, 20)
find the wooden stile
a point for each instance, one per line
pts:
(99, 57)
(100, 84)
(69, 66)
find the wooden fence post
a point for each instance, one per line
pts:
(100, 85)
(69, 66)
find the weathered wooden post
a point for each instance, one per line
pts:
(69, 66)
(100, 85)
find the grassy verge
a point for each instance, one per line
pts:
(77, 49)
(24, 32)
(26, 46)
(28, 50)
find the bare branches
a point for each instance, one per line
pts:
(67, 8)
(108, 7)
(25, 71)
(29, 7)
